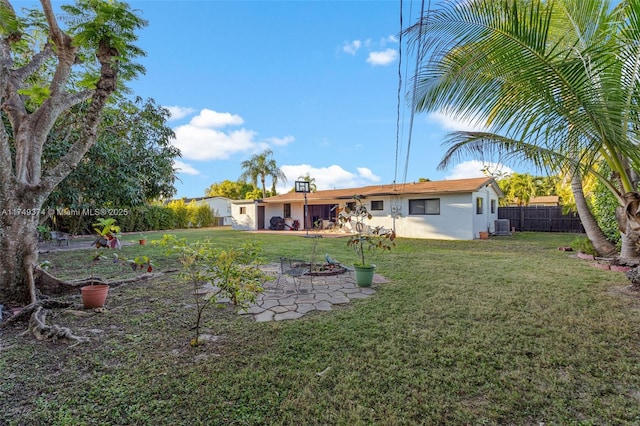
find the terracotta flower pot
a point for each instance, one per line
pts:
(94, 296)
(484, 235)
(143, 242)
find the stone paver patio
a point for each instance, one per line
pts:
(290, 297)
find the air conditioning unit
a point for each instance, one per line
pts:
(502, 227)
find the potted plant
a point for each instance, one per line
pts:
(94, 295)
(365, 239)
(107, 231)
(44, 233)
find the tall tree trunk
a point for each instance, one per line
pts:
(264, 186)
(629, 252)
(598, 239)
(19, 248)
(629, 224)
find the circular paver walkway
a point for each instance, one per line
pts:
(289, 297)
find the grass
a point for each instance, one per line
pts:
(504, 331)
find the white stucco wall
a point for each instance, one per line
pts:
(221, 206)
(270, 211)
(486, 220)
(453, 223)
(247, 221)
(297, 213)
(457, 219)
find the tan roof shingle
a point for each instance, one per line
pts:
(434, 187)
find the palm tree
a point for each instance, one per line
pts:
(262, 166)
(555, 82)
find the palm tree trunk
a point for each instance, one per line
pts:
(629, 225)
(600, 243)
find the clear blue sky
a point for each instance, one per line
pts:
(314, 81)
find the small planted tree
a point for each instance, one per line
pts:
(233, 274)
(365, 239)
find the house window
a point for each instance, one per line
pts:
(243, 210)
(424, 206)
(493, 206)
(479, 205)
(287, 210)
(377, 205)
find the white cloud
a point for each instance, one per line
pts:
(392, 38)
(366, 173)
(351, 47)
(331, 177)
(472, 169)
(450, 121)
(202, 139)
(281, 141)
(209, 118)
(200, 143)
(178, 112)
(185, 168)
(383, 57)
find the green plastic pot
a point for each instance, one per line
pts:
(364, 275)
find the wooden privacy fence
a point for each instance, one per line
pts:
(541, 219)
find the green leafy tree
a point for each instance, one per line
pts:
(519, 188)
(254, 194)
(130, 164)
(262, 166)
(554, 82)
(229, 189)
(83, 63)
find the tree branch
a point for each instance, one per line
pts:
(72, 99)
(5, 151)
(59, 37)
(22, 73)
(105, 86)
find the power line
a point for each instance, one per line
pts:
(415, 87)
(395, 172)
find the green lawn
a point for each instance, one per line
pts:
(504, 331)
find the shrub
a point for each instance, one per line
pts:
(181, 216)
(202, 215)
(235, 271)
(584, 245)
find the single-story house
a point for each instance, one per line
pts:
(220, 206)
(450, 209)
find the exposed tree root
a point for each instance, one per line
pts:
(39, 328)
(28, 310)
(52, 286)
